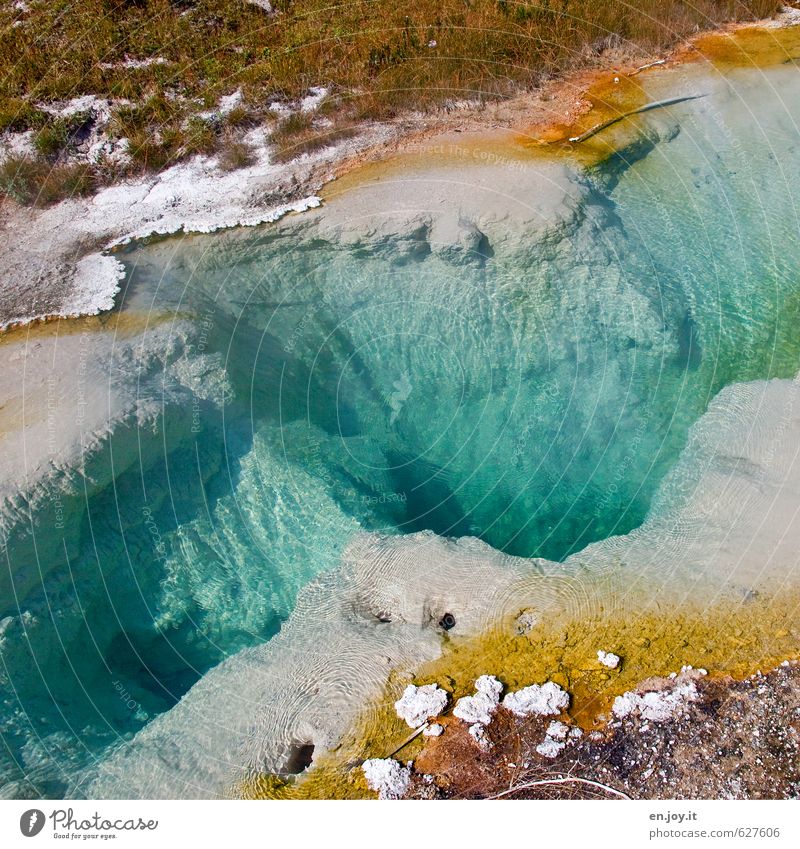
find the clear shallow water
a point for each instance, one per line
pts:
(533, 393)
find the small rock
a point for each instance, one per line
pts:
(388, 777)
(549, 748)
(478, 734)
(557, 730)
(526, 621)
(418, 704)
(480, 707)
(543, 700)
(608, 659)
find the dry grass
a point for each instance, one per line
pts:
(17, 114)
(302, 132)
(375, 47)
(381, 57)
(310, 141)
(234, 154)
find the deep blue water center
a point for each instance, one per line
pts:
(532, 394)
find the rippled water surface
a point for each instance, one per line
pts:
(532, 391)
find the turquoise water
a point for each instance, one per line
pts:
(532, 394)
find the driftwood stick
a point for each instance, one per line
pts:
(646, 108)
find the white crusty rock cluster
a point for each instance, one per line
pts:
(659, 705)
(418, 704)
(556, 738)
(387, 777)
(608, 658)
(537, 700)
(549, 747)
(478, 710)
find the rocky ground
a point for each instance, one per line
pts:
(684, 737)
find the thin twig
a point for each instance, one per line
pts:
(645, 67)
(563, 780)
(408, 739)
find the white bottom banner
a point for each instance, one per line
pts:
(403, 824)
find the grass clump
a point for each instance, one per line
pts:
(292, 126)
(51, 139)
(60, 133)
(234, 154)
(241, 117)
(17, 115)
(301, 132)
(34, 181)
(199, 136)
(291, 145)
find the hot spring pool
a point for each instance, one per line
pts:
(507, 347)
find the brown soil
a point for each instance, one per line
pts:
(739, 740)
